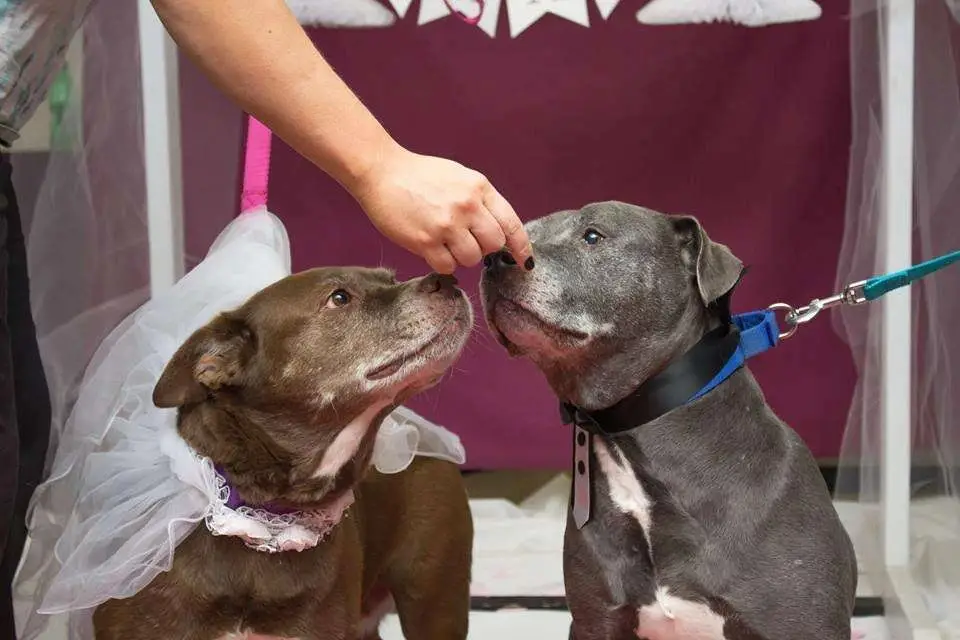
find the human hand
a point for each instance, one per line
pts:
(440, 210)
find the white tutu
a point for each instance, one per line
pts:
(125, 489)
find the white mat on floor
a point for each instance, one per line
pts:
(555, 625)
(518, 550)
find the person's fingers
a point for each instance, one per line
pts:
(518, 244)
(488, 233)
(441, 260)
(465, 248)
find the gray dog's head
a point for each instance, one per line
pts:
(618, 291)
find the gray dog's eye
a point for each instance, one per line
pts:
(592, 236)
(338, 298)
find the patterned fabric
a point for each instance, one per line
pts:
(34, 36)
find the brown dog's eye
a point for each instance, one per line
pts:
(592, 236)
(338, 298)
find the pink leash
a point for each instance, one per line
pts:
(256, 165)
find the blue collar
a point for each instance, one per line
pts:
(759, 332)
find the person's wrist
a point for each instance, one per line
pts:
(367, 168)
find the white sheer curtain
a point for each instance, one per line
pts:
(935, 512)
(87, 242)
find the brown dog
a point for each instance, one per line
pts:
(285, 395)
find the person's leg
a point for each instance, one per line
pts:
(9, 435)
(31, 396)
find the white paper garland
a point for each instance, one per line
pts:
(523, 14)
(400, 6)
(606, 7)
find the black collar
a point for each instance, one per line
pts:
(673, 387)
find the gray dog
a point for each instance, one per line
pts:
(707, 520)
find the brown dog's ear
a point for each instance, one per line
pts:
(715, 267)
(212, 358)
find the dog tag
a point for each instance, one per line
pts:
(581, 476)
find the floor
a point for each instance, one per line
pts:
(550, 625)
(519, 521)
(539, 625)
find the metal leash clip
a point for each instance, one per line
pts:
(853, 294)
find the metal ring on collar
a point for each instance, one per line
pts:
(789, 317)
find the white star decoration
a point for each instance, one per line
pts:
(401, 6)
(606, 7)
(523, 13)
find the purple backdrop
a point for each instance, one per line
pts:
(746, 129)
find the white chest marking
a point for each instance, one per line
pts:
(673, 618)
(345, 445)
(670, 617)
(624, 487)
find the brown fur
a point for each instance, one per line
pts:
(263, 391)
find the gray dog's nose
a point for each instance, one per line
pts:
(437, 282)
(499, 260)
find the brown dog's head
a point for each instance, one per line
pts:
(286, 392)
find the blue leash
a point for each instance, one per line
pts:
(759, 330)
(882, 285)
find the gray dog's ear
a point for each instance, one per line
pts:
(715, 267)
(212, 358)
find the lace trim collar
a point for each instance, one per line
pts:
(266, 530)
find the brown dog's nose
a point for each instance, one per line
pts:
(499, 260)
(437, 282)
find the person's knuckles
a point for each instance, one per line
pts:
(491, 245)
(445, 225)
(513, 228)
(489, 236)
(466, 205)
(422, 241)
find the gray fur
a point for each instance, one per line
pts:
(742, 519)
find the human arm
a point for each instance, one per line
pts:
(258, 54)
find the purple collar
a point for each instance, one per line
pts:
(234, 501)
(270, 527)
